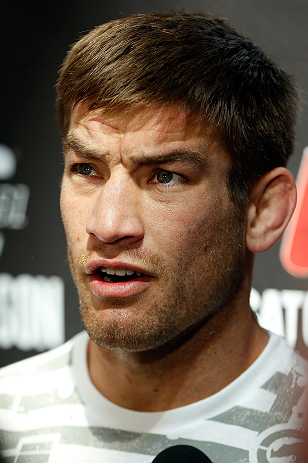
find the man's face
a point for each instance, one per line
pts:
(155, 244)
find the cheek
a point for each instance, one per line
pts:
(72, 216)
(185, 224)
(178, 241)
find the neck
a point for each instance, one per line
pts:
(196, 365)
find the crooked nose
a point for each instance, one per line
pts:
(116, 215)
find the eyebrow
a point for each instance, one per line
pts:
(184, 155)
(71, 142)
(198, 158)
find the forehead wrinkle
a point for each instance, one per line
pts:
(198, 158)
(81, 148)
(201, 160)
(162, 122)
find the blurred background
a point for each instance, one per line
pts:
(38, 302)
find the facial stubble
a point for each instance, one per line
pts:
(185, 296)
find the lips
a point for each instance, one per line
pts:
(117, 279)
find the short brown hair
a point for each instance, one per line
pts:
(195, 60)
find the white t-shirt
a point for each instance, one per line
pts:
(51, 412)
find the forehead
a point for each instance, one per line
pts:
(146, 130)
(153, 117)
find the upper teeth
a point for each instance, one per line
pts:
(119, 271)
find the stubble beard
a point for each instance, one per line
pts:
(129, 325)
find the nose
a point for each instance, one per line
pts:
(116, 212)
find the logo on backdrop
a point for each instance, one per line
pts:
(294, 246)
(31, 307)
(284, 312)
(13, 198)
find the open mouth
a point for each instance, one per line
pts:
(117, 275)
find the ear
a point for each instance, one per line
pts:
(272, 202)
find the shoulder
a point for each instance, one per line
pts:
(38, 397)
(284, 384)
(280, 354)
(282, 368)
(38, 371)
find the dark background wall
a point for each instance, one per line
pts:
(38, 304)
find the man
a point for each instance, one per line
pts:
(176, 133)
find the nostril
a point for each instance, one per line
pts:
(115, 231)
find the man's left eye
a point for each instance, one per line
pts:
(165, 176)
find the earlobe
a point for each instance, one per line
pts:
(272, 202)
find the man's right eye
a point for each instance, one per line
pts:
(84, 169)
